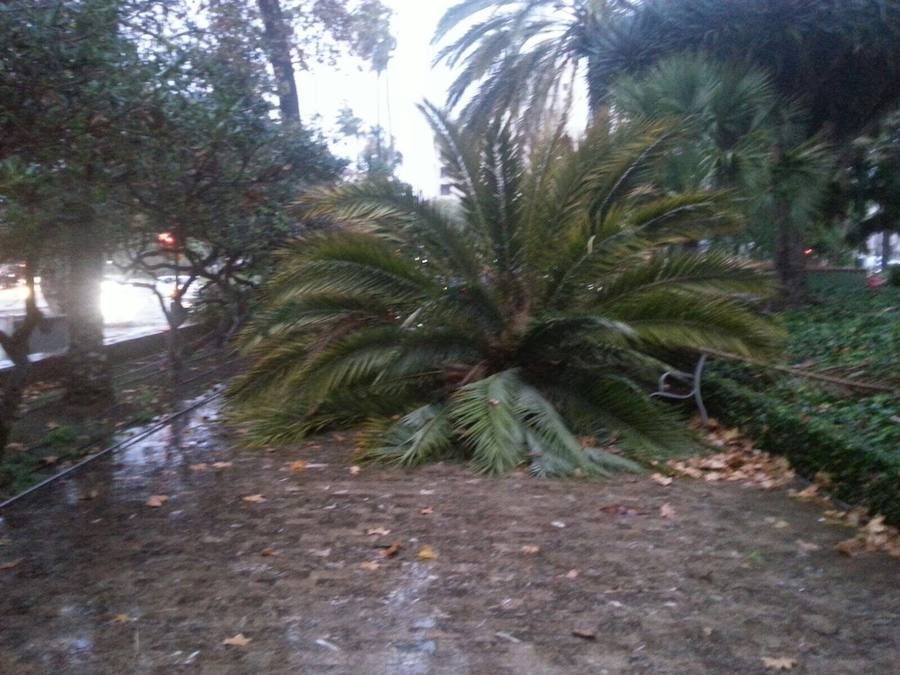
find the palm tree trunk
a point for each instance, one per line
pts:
(278, 44)
(790, 262)
(88, 379)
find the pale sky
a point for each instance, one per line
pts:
(410, 79)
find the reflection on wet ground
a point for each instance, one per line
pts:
(96, 581)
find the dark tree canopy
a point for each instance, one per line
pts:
(839, 60)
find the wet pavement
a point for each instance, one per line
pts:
(527, 577)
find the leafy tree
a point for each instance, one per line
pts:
(70, 78)
(212, 174)
(299, 32)
(537, 312)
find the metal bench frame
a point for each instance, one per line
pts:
(691, 380)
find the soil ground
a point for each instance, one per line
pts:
(96, 581)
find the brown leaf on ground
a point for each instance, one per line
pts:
(121, 618)
(155, 501)
(850, 547)
(872, 534)
(427, 553)
(354, 470)
(377, 532)
(222, 465)
(298, 467)
(807, 547)
(585, 633)
(254, 499)
(739, 461)
(199, 467)
(658, 478)
(10, 565)
(572, 574)
(238, 640)
(49, 460)
(370, 565)
(426, 510)
(811, 492)
(268, 552)
(779, 663)
(666, 511)
(531, 549)
(15, 447)
(392, 550)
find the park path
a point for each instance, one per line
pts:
(525, 576)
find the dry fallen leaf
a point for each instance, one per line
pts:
(666, 511)
(572, 574)
(780, 524)
(49, 460)
(157, 500)
(391, 550)
(121, 618)
(237, 641)
(199, 467)
(585, 633)
(780, 663)
(254, 499)
(222, 465)
(806, 546)
(427, 553)
(354, 470)
(665, 481)
(370, 565)
(531, 549)
(426, 511)
(298, 467)
(377, 532)
(268, 552)
(10, 565)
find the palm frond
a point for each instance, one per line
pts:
(421, 436)
(485, 414)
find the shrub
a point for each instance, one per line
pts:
(867, 477)
(501, 332)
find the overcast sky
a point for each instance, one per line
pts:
(410, 79)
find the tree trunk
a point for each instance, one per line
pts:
(790, 261)
(16, 348)
(278, 44)
(88, 378)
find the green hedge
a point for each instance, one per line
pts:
(864, 477)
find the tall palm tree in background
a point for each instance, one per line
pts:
(538, 311)
(522, 54)
(735, 119)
